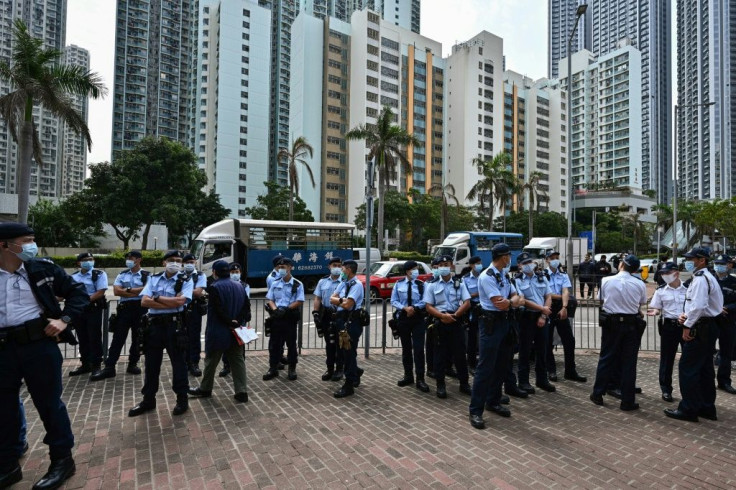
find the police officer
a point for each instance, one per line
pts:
(407, 299)
(559, 283)
(348, 298)
(128, 286)
(703, 303)
(30, 320)
(668, 301)
(431, 337)
(195, 310)
(270, 279)
(471, 283)
(228, 308)
(165, 295)
(533, 287)
(89, 325)
(726, 322)
(447, 299)
(285, 299)
(622, 296)
(497, 295)
(323, 314)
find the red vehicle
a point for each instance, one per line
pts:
(384, 275)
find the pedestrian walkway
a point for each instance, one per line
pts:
(296, 435)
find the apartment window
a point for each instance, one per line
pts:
(246, 13)
(246, 36)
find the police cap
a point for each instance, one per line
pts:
(14, 230)
(499, 250)
(668, 267)
(444, 258)
(285, 261)
(551, 253)
(221, 267)
(523, 258)
(84, 255)
(435, 261)
(722, 259)
(698, 253)
(632, 261)
(134, 253)
(235, 266)
(351, 264)
(409, 265)
(335, 260)
(173, 253)
(475, 260)
(188, 257)
(277, 259)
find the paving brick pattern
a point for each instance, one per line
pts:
(296, 435)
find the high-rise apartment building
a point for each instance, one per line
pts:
(706, 72)
(73, 155)
(403, 13)
(155, 45)
(560, 21)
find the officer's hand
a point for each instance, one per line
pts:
(502, 304)
(724, 312)
(682, 318)
(315, 316)
(447, 318)
(54, 328)
(652, 312)
(409, 310)
(234, 324)
(686, 337)
(541, 322)
(563, 314)
(546, 310)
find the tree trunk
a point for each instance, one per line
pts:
(25, 160)
(291, 201)
(144, 238)
(490, 213)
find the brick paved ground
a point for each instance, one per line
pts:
(296, 435)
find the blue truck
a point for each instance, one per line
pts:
(464, 244)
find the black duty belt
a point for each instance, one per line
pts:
(622, 317)
(27, 332)
(502, 315)
(165, 319)
(671, 321)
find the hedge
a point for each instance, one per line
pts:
(151, 258)
(410, 256)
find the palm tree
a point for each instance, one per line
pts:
(496, 183)
(37, 77)
(535, 194)
(300, 149)
(386, 143)
(447, 193)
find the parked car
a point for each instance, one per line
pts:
(385, 273)
(359, 256)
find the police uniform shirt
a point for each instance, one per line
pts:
(671, 301)
(471, 283)
(201, 280)
(557, 281)
(164, 287)
(703, 298)
(354, 291)
(325, 287)
(247, 289)
(90, 286)
(271, 278)
(622, 294)
(280, 292)
(129, 279)
(400, 295)
(493, 284)
(534, 287)
(444, 296)
(18, 304)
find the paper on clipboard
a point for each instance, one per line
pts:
(246, 335)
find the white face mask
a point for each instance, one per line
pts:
(669, 278)
(529, 268)
(173, 267)
(189, 267)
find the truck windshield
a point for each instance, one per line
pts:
(535, 253)
(196, 248)
(445, 251)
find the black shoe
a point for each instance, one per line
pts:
(528, 388)
(338, 375)
(499, 410)
(679, 415)
(10, 477)
(104, 373)
(629, 407)
(552, 376)
(430, 374)
(200, 393)
(477, 422)
(441, 391)
(728, 389)
(182, 405)
(710, 415)
(328, 375)
(597, 399)
(465, 389)
(241, 397)
(284, 361)
(422, 386)
(133, 368)
(574, 376)
(548, 387)
(406, 380)
(224, 372)
(60, 471)
(667, 397)
(516, 391)
(614, 393)
(141, 408)
(346, 390)
(81, 369)
(194, 370)
(23, 451)
(292, 373)
(451, 373)
(270, 374)
(281, 366)
(505, 400)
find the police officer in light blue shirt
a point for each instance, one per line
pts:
(348, 298)
(471, 283)
(323, 313)
(196, 309)
(89, 326)
(270, 279)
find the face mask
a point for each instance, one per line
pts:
(414, 274)
(29, 251)
(130, 264)
(235, 277)
(436, 273)
(506, 270)
(173, 267)
(336, 271)
(478, 267)
(189, 267)
(88, 265)
(281, 272)
(554, 263)
(444, 271)
(528, 268)
(669, 278)
(720, 268)
(343, 276)
(689, 266)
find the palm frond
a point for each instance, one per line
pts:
(77, 80)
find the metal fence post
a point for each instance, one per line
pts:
(383, 327)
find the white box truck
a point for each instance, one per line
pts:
(539, 247)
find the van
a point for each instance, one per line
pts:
(359, 256)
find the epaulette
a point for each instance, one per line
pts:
(158, 274)
(46, 259)
(662, 286)
(699, 273)
(327, 276)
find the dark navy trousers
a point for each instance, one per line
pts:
(412, 332)
(162, 337)
(619, 352)
(450, 346)
(697, 373)
(670, 340)
(726, 334)
(194, 331)
(283, 331)
(89, 334)
(564, 330)
(492, 364)
(531, 335)
(130, 315)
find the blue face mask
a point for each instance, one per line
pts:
(189, 268)
(529, 268)
(335, 271)
(689, 266)
(88, 265)
(478, 267)
(414, 274)
(436, 273)
(281, 272)
(720, 268)
(444, 271)
(554, 263)
(130, 264)
(235, 276)
(29, 251)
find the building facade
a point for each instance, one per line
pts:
(73, 157)
(560, 20)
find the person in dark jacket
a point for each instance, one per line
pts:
(586, 271)
(228, 309)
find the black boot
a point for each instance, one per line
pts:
(338, 374)
(60, 470)
(422, 385)
(194, 370)
(145, 406)
(104, 373)
(81, 369)
(182, 404)
(441, 390)
(270, 374)
(292, 372)
(346, 390)
(328, 375)
(407, 380)
(10, 476)
(224, 372)
(133, 368)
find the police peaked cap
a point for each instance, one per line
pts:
(277, 259)
(444, 258)
(409, 265)
(84, 255)
(285, 261)
(632, 261)
(335, 260)
(14, 230)
(722, 259)
(435, 261)
(552, 252)
(698, 253)
(350, 263)
(668, 267)
(220, 266)
(134, 253)
(475, 260)
(234, 266)
(189, 257)
(173, 253)
(523, 257)
(499, 250)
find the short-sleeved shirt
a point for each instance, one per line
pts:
(670, 300)
(164, 287)
(704, 298)
(130, 279)
(471, 283)
(493, 284)
(284, 293)
(622, 294)
(400, 294)
(271, 278)
(534, 287)
(91, 286)
(18, 304)
(557, 281)
(325, 288)
(201, 281)
(351, 289)
(446, 296)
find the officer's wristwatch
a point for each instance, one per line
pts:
(127, 290)
(155, 296)
(66, 319)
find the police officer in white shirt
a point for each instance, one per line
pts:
(668, 301)
(621, 321)
(703, 303)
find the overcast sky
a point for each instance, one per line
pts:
(521, 23)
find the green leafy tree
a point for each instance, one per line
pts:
(37, 77)
(204, 210)
(386, 143)
(397, 214)
(300, 149)
(270, 206)
(446, 193)
(546, 224)
(495, 183)
(53, 228)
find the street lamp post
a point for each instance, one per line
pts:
(578, 13)
(369, 189)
